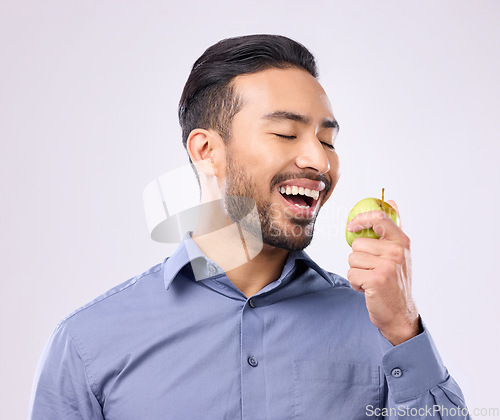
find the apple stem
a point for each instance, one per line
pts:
(383, 195)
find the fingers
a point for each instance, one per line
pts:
(395, 207)
(394, 250)
(379, 221)
(393, 204)
(383, 278)
(356, 277)
(362, 260)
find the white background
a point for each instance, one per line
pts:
(88, 101)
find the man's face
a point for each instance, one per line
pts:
(280, 155)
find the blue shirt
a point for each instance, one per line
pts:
(165, 346)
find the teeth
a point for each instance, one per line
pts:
(294, 190)
(302, 207)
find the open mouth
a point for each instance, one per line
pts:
(303, 198)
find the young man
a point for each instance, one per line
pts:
(239, 323)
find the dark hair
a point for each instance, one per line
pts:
(208, 100)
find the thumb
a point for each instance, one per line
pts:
(395, 207)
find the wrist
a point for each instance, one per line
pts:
(403, 332)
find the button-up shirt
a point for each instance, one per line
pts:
(180, 341)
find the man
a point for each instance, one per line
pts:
(209, 334)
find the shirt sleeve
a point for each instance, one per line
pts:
(61, 388)
(419, 385)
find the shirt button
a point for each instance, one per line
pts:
(396, 372)
(212, 270)
(252, 303)
(252, 361)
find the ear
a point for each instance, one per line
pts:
(206, 149)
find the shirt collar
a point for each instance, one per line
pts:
(204, 268)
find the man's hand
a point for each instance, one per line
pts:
(381, 268)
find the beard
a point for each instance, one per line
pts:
(270, 221)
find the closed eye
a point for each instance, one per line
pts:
(330, 146)
(283, 136)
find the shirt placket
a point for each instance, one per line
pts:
(253, 381)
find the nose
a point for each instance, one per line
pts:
(312, 155)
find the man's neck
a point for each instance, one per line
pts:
(249, 264)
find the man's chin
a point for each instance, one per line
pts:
(288, 243)
(295, 238)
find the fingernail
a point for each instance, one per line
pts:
(349, 227)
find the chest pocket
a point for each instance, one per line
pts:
(325, 390)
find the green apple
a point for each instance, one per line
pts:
(370, 204)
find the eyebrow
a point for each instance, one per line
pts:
(292, 116)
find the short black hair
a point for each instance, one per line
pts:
(208, 100)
